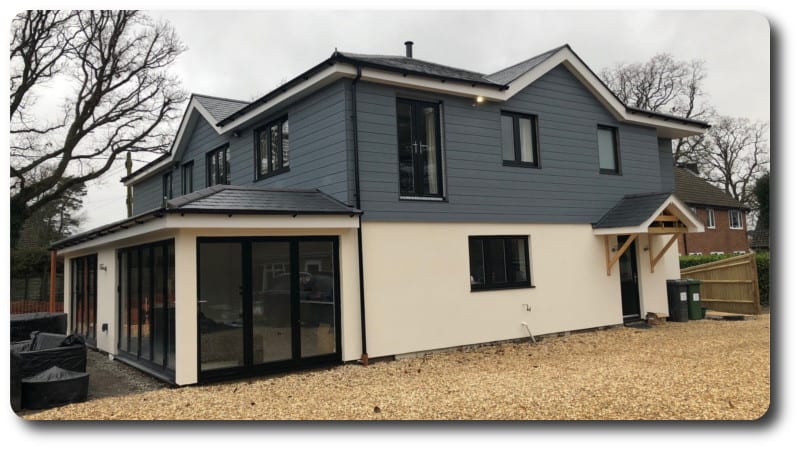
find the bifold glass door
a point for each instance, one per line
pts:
(266, 303)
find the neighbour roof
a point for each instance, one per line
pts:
(760, 239)
(224, 199)
(692, 189)
(632, 210)
(219, 107)
(256, 200)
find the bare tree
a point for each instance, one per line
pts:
(735, 155)
(664, 84)
(118, 97)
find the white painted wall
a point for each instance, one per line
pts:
(107, 304)
(653, 286)
(418, 292)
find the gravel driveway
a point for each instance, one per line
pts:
(718, 370)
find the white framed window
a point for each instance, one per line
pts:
(716, 253)
(739, 252)
(710, 219)
(695, 253)
(694, 210)
(735, 219)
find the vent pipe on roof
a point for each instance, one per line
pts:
(409, 44)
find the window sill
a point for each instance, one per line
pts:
(737, 228)
(521, 164)
(500, 288)
(272, 174)
(609, 172)
(423, 199)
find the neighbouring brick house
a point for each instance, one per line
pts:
(724, 217)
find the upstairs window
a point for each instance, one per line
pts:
(218, 168)
(710, 220)
(520, 139)
(166, 186)
(187, 178)
(608, 149)
(419, 150)
(735, 219)
(272, 148)
(499, 262)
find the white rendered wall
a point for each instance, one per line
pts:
(653, 286)
(418, 292)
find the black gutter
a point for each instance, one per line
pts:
(357, 182)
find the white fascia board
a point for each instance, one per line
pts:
(171, 222)
(321, 78)
(457, 88)
(619, 230)
(194, 106)
(571, 61)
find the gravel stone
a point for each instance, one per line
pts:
(697, 370)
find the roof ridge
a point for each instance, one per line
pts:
(551, 51)
(214, 97)
(406, 58)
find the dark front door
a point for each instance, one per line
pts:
(266, 304)
(629, 281)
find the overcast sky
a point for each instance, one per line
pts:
(245, 54)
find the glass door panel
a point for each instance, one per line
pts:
(316, 296)
(272, 302)
(220, 321)
(405, 143)
(429, 149)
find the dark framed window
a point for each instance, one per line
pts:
(419, 149)
(83, 296)
(272, 148)
(608, 149)
(520, 139)
(218, 167)
(735, 219)
(711, 221)
(166, 186)
(499, 262)
(187, 175)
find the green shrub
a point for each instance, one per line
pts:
(762, 264)
(694, 260)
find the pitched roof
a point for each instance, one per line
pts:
(510, 74)
(760, 239)
(692, 189)
(219, 107)
(417, 66)
(632, 210)
(256, 200)
(224, 199)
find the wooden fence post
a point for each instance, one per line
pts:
(756, 292)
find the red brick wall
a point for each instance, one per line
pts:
(718, 239)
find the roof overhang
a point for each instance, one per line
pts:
(669, 208)
(161, 220)
(336, 68)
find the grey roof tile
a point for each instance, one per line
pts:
(248, 199)
(219, 107)
(632, 210)
(415, 65)
(693, 190)
(510, 74)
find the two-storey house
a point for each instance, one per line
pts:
(376, 206)
(724, 217)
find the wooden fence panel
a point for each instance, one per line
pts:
(729, 285)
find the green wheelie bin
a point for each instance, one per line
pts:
(693, 293)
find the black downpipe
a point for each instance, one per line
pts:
(356, 180)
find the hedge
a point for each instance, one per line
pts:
(762, 266)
